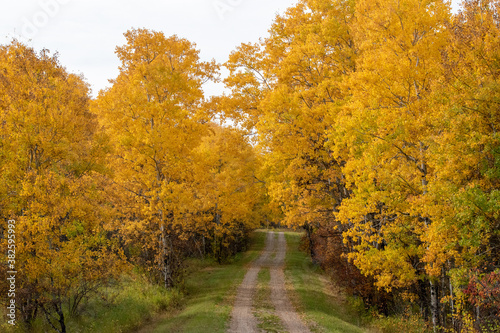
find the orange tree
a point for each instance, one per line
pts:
(51, 160)
(384, 136)
(231, 197)
(287, 89)
(155, 118)
(465, 205)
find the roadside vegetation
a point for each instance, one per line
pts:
(323, 309)
(209, 293)
(202, 303)
(327, 307)
(123, 306)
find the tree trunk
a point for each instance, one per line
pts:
(165, 265)
(308, 229)
(434, 306)
(204, 247)
(56, 305)
(452, 304)
(61, 319)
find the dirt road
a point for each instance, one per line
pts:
(242, 318)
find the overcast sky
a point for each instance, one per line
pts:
(86, 32)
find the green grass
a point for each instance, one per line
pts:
(323, 311)
(133, 304)
(411, 323)
(210, 292)
(121, 307)
(330, 311)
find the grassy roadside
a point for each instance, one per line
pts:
(210, 292)
(132, 303)
(327, 310)
(322, 310)
(135, 305)
(123, 306)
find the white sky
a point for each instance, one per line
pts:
(86, 32)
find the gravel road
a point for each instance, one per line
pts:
(242, 318)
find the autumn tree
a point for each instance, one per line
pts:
(231, 196)
(288, 89)
(465, 198)
(378, 120)
(386, 134)
(151, 116)
(51, 161)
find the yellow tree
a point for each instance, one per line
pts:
(290, 88)
(51, 155)
(465, 156)
(229, 193)
(150, 114)
(386, 134)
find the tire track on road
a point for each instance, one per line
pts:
(242, 318)
(282, 304)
